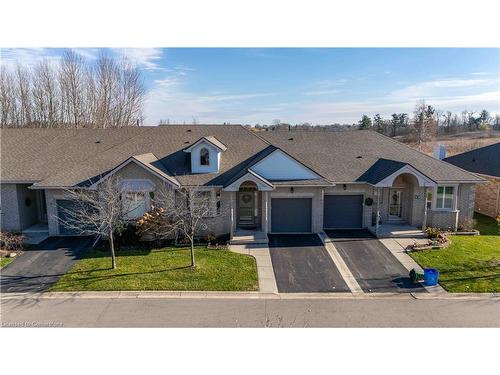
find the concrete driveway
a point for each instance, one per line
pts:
(372, 265)
(302, 264)
(36, 270)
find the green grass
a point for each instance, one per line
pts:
(5, 261)
(161, 269)
(470, 263)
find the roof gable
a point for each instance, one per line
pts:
(211, 140)
(278, 165)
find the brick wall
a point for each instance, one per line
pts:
(488, 197)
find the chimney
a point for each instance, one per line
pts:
(440, 151)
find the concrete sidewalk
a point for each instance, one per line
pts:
(267, 280)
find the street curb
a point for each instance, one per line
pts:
(245, 295)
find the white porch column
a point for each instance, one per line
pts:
(265, 211)
(232, 212)
(377, 217)
(424, 223)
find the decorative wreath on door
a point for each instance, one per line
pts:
(246, 198)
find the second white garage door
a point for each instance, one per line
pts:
(291, 215)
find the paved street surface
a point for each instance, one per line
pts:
(400, 311)
(302, 264)
(36, 270)
(371, 263)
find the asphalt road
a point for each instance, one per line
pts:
(400, 311)
(302, 264)
(372, 265)
(36, 270)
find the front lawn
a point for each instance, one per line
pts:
(470, 263)
(161, 269)
(4, 261)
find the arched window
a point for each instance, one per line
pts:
(204, 157)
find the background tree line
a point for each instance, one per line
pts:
(423, 124)
(74, 92)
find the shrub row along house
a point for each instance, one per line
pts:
(271, 182)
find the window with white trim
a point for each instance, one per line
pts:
(445, 197)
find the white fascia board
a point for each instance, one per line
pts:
(127, 162)
(203, 140)
(423, 180)
(262, 183)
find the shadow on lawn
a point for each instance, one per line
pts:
(486, 225)
(108, 277)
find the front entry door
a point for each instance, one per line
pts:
(246, 206)
(395, 203)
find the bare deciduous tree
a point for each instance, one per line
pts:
(73, 93)
(423, 124)
(187, 212)
(98, 212)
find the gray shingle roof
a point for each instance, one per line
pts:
(346, 156)
(381, 169)
(484, 160)
(67, 157)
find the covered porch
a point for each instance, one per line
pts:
(401, 204)
(249, 209)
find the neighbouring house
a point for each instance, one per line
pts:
(485, 162)
(271, 182)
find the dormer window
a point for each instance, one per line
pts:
(204, 156)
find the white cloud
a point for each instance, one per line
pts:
(351, 111)
(10, 57)
(321, 92)
(168, 99)
(144, 57)
(439, 86)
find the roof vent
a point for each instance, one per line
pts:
(189, 130)
(290, 139)
(97, 141)
(359, 157)
(186, 143)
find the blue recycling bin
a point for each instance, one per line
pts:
(431, 276)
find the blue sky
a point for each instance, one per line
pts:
(316, 85)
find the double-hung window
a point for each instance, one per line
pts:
(445, 197)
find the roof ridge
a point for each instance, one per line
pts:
(419, 152)
(96, 155)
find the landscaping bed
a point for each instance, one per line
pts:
(469, 263)
(162, 269)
